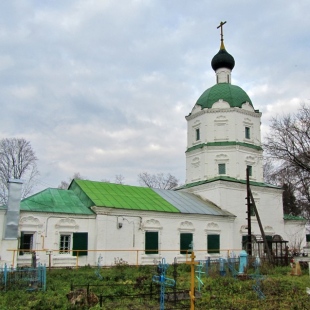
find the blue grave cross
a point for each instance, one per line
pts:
(191, 247)
(97, 271)
(222, 262)
(231, 261)
(163, 281)
(258, 278)
(199, 272)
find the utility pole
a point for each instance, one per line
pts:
(248, 201)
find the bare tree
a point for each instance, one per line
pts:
(119, 179)
(269, 171)
(159, 180)
(289, 139)
(17, 161)
(285, 177)
(289, 144)
(65, 184)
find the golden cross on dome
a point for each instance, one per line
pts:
(222, 40)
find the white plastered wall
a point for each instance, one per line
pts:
(231, 196)
(128, 242)
(223, 124)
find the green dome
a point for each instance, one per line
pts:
(232, 94)
(222, 60)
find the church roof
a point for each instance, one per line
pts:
(118, 196)
(102, 194)
(54, 200)
(232, 94)
(228, 179)
(190, 203)
(84, 194)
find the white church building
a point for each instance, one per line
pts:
(103, 223)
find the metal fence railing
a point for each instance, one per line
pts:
(30, 279)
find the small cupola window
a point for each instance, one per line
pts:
(247, 133)
(197, 134)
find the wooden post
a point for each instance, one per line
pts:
(261, 229)
(49, 253)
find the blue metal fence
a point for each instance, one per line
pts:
(30, 279)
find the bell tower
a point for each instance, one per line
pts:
(223, 129)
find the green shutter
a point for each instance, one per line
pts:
(151, 242)
(244, 242)
(213, 243)
(186, 240)
(308, 238)
(80, 242)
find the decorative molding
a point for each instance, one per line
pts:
(221, 158)
(244, 229)
(221, 118)
(30, 222)
(221, 104)
(196, 162)
(186, 226)
(250, 160)
(213, 228)
(269, 230)
(197, 111)
(151, 224)
(68, 224)
(247, 121)
(246, 106)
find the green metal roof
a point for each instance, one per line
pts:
(122, 196)
(55, 201)
(224, 143)
(293, 217)
(232, 94)
(229, 179)
(84, 194)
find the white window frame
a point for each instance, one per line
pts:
(68, 249)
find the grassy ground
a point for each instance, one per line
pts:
(281, 290)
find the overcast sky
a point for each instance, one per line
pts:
(102, 87)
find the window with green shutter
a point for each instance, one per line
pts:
(80, 242)
(213, 244)
(151, 242)
(222, 168)
(186, 242)
(308, 238)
